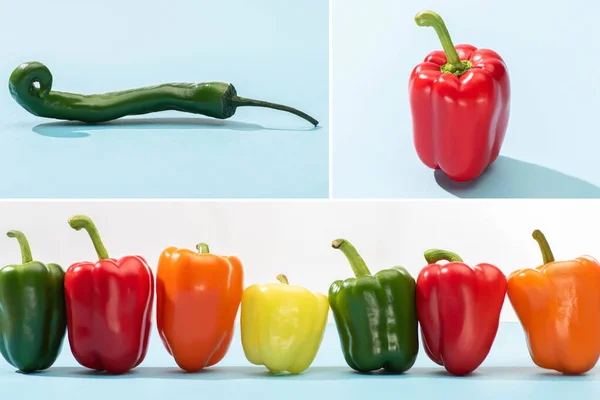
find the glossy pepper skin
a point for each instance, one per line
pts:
(198, 295)
(213, 99)
(460, 104)
(558, 304)
(33, 318)
(109, 306)
(282, 325)
(459, 310)
(375, 315)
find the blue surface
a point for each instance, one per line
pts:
(551, 51)
(271, 50)
(508, 372)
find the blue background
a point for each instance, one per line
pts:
(551, 50)
(269, 49)
(508, 372)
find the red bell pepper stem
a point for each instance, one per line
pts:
(79, 222)
(434, 255)
(454, 65)
(356, 262)
(283, 279)
(202, 248)
(24, 244)
(544, 246)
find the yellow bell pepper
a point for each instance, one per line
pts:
(282, 325)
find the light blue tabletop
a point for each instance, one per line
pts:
(268, 49)
(508, 372)
(552, 54)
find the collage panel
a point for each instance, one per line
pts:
(163, 99)
(514, 123)
(187, 296)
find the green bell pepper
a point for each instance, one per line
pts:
(375, 315)
(33, 317)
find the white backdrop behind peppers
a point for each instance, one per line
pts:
(294, 237)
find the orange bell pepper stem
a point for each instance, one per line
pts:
(198, 297)
(558, 304)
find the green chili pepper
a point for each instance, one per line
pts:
(376, 315)
(33, 317)
(212, 99)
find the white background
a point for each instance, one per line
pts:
(294, 237)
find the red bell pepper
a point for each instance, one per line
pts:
(460, 104)
(109, 305)
(458, 308)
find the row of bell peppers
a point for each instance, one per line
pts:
(106, 306)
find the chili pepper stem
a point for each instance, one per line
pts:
(356, 261)
(432, 19)
(547, 255)
(283, 279)
(23, 243)
(202, 248)
(244, 102)
(79, 222)
(432, 256)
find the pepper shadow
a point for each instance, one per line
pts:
(511, 178)
(321, 373)
(78, 130)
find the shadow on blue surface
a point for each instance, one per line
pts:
(75, 130)
(315, 373)
(511, 178)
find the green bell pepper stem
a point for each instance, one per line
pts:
(432, 256)
(79, 222)
(547, 255)
(202, 248)
(23, 243)
(356, 261)
(283, 279)
(212, 99)
(454, 65)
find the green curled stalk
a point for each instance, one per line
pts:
(212, 99)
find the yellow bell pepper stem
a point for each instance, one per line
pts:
(282, 325)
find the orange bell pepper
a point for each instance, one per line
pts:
(198, 295)
(558, 304)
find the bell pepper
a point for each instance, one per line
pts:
(282, 325)
(109, 305)
(33, 319)
(198, 295)
(375, 315)
(558, 305)
(459, 310)
(460, 104)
